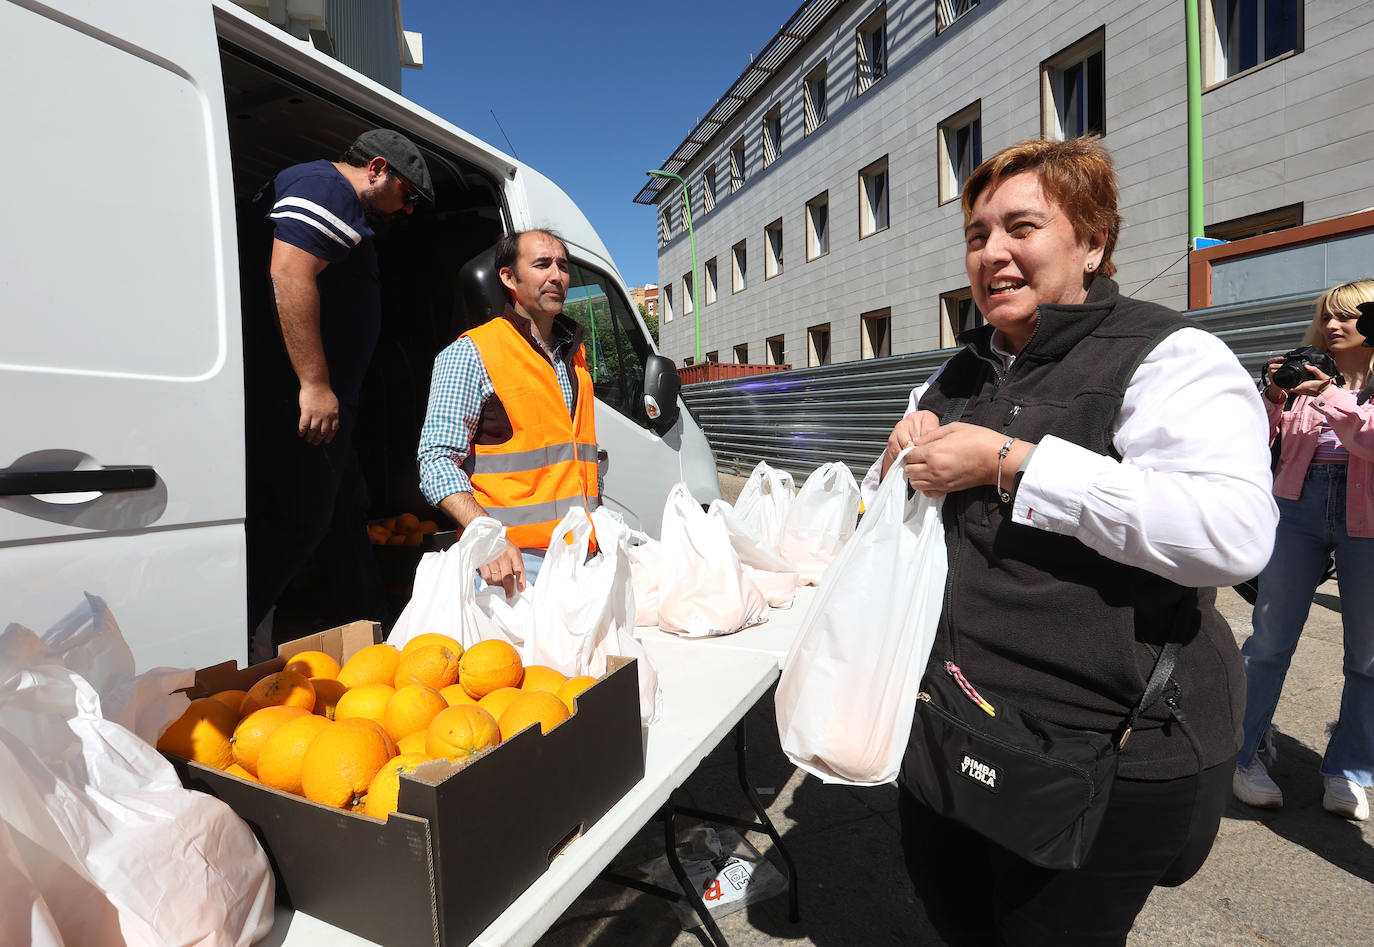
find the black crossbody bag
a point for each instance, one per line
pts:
(1036, 788)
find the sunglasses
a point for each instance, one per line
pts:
(409, 195)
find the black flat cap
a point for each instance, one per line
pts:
(400, 153)
(1365, 324)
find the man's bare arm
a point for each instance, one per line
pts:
(297, 297)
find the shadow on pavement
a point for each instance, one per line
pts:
(1303, 821)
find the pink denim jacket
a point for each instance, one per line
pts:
(1353, 423)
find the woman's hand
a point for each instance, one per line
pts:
(1271, 389)
(1319, 382)
(908, 430)
(958, 456)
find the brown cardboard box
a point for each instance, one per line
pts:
(468, 837)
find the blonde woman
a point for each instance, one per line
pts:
(1324, 485)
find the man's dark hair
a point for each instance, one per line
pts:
(508, 247)
(355, 157)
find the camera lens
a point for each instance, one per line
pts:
(1289, 375)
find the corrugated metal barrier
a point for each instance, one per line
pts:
(800, 419)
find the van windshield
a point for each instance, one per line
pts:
(615, 344)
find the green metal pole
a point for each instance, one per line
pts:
(691, 242)
(1190, 21)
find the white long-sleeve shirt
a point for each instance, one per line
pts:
(1190, 499)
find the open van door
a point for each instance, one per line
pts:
(119, 301)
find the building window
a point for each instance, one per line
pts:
(818, 226)
(667, 304)
(688, 362)
(957, 314)
(775, 351)
(1252, 225)
(688, 295)
(1073, 90)
(651, 305)
(710, 287)
(665, 225)
(742, 354)
(772, 249)
(686, 207)
(873, 198)
(960, 145)
(947, 11)
(813, 99)
(772, 135)
(872, 49)
(1239, 35)
(737, 165)
(875, 334)
(818, 345)
(708, 190)
(713, 356)
(739, 269)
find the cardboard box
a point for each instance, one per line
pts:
(468, 838)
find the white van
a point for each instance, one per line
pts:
(137, 132)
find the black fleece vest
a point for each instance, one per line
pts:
(1039, 618)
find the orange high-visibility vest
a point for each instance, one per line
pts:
(548, 466)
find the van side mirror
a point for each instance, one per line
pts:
(661, 387)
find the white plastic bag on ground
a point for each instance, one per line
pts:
(444, 598)
(820, 521)
(644, 552)
(764, 500)
(848, 690)
(99, 842)
(702, 590)
(729, 873)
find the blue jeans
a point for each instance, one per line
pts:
(1309, 528)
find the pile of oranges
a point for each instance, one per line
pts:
(404, 530)
(342, 735)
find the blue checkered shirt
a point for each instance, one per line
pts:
(458, 389)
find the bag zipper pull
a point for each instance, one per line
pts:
(969, 690)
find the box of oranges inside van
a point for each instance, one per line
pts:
(464, 818)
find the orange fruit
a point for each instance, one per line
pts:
(385, 787)
(489, 665)
(458, 732)
(202, 733)
(237, 770)
(365, 700)
(341, 761)
(360, 723)
(532, 707)
(569, 691)
(427, 527)
(413, 743)
(541, 677)
(455, 695)
(279, 762)
(432, 665)
(230, 698)
(413, 539)
(497, 701)
(254, 729)
(378, 534)
(432, 637)
(288, 688)
(375, 664)
(407, 522)
(327, 694)
(397, 539)
(411, 708)
(313, 664)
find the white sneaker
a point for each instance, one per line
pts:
(1253, 787)
(1345, 798)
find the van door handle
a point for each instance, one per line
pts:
(104, 480)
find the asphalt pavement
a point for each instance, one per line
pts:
(1294, 876)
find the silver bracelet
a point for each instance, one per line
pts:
(1003, 495)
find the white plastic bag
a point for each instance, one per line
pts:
(764, 501)
(645, 555)
(99, 842)
(777, 588)
(820, 521)
(848, 690)
(444, 598)
(748, 543)
(613, 538)
(729, 873)
(702, 590)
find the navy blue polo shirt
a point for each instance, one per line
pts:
(313, 207)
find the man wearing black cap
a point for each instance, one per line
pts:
(304, 368)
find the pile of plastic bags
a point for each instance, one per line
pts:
(99, 842)
(719, 571)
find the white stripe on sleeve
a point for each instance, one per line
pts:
(324, 214)
(312, 222)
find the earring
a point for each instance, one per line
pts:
(1090, 267)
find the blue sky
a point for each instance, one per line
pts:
(590, 94)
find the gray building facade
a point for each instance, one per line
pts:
(825, 205)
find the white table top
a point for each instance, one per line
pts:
(703, 699)
(773, 637)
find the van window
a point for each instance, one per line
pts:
(616, 348)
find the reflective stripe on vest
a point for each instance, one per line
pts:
(548, 465)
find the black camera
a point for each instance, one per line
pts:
(1293, 372)
(1365, 324)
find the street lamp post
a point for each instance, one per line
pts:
(692, 242)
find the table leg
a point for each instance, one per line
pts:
(689, 889)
